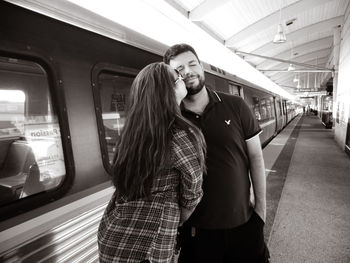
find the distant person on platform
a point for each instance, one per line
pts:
(225, 226)
(157, 172)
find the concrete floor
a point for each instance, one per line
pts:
(311, 222)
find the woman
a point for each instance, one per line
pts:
(157, 172)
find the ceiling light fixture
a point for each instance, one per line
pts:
(291, 67)
(280, 37)
(295, 78)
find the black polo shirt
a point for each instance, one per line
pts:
(227, 122)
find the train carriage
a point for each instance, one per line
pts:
(64, 93)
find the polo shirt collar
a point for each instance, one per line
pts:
(213, 99)
(213, 96)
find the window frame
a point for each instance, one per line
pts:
(96, 71)
(55, 86)
(347, 139)
(239, 88)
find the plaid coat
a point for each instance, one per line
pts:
(146, 229)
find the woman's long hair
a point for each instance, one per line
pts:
(144, 146)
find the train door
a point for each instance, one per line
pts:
(285, 113)
(281, 116)
(277, 114)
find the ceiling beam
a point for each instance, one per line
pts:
(320, 62)
(301, 50)
(196, 12)
(178, 7)
(320, 27)
(212, 33)
(283, 76)
(307, 47)
(297, 70)
(206, 7)
(286, 78)
(302, 79)
(298, 60)
(278, 59)
(268, 21)
(347, 10)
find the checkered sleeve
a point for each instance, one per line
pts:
(186, 161)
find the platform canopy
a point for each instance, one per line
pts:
(300, 58)
(236, 36)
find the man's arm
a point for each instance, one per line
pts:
(257, 173)
(185, 214)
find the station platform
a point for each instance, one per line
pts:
(308, 195)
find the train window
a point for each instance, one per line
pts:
(263, 110)
(269, 110)
(114, 91)
(31, 154)
(256, 108)
(234, 89)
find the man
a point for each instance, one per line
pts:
(225, 226)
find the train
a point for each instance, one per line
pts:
(64, 97)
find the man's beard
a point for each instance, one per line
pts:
(192, 90)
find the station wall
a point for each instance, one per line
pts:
(341, 108)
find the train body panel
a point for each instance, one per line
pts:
(75, 87)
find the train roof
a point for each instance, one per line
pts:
(75, 15)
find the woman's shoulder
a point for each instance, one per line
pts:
(180, 136)
(182, 141)
(182, 144)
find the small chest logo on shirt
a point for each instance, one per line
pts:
(228, 122)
